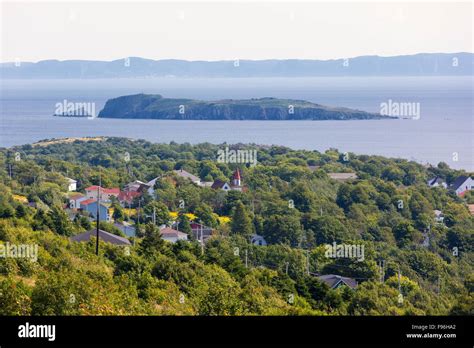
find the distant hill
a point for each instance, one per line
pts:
(156, 107)
(423, 64)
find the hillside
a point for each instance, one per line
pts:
(423, 64)
(298, 201)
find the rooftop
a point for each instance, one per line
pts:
(184, 174)
(169, 232)
(114, 190)
(103, 235)
(342, 176)
(332, 280)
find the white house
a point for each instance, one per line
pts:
(258, 240)
(105, 193)
(222, 185)
(462, 184)
(72, 184)
(151, 185)
(172, 235)
(437, 182)
(236, 183)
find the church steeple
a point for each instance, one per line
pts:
(236, 181)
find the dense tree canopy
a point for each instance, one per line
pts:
(288, 198)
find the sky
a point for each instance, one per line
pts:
(197, 30)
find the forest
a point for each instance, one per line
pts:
(413, 264)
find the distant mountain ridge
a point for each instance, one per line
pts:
(423, 64)
(148, 106)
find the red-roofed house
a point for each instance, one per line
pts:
(127, 197)
(105, 193)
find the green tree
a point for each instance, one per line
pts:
(118, 214)
(60, 222)
(152, 241)
(14, 298)
(184, 225)
(405, 233)
(206, 215)
(159, 211)
(241, 222)
(284, 229)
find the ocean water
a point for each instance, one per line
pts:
(443, 132)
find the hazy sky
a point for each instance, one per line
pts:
(33, 31)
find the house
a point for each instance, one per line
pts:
(171, 235)
(255, 239)
(186, 175)
(437, 182)
(72, 184)
(127, 228)
(200, 231)
(136, 186)
(105, 193)
(90, 206)
(343, 176)
(151, 186)
(75, 200)
(335, 281)
(462, 184)
(126, 197)
(221, 185)
(235, 184)
(103, 235)
(439, 216)
(206, 183)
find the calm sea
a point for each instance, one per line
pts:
(444, 131)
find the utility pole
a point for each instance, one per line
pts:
(246, 259)
(382, 270)
(138, 212)
(399, 280)
(286, 268)
(202, 239)
(307, 262)
(10, 170)
(97, 219)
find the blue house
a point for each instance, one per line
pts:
(90, 205)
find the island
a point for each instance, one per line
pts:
(146, 106)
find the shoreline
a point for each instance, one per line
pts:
(69, 140)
